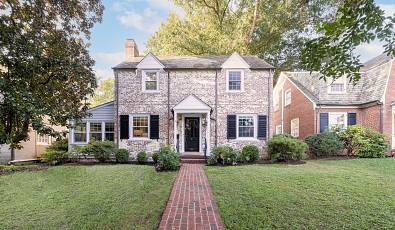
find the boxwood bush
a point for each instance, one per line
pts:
(324, 144)
(283, 148)
(54, 157)
(249, 153)
(122, 155)
(141, 157)
(101, 150)
(223, 155)
(168, 159)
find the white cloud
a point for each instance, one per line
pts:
(389, 9)
(147, 21)
(369, 51)
(110, 59)
(103, 74)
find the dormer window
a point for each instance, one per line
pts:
(234, 80)
(338, 86)
(150, 80)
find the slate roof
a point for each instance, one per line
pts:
(369, 89)
(198, 62)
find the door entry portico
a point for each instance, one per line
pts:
(192, 134)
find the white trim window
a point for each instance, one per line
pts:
(338, 86)
(295, 127)
(279, 129)
(234, 80)
(80, 133)
(287, 97)
(338, 120)
(246, 126)
(139, 126)
(109, 131)
(150, 80)
(95, 132)
(43, 139)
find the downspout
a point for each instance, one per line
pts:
(168, 108)
(270, 102)
(381, 117)
(216, 109)
(117, 105)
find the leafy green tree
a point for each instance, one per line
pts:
(356, 22)
(273, 30)
(47, 72)
(104, 93)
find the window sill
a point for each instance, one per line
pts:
(235, 91)
(337, 93)
(139, 139)
(43, 144)
(247, 139)
(151, 91)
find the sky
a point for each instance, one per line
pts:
(139, 19)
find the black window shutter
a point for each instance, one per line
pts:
(351, 119)
(154, 127)
(124, 123)
(324, 122)
(231, 134)
(262, 127)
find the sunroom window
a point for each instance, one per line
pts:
(80, 132)
(95, 131)
(109, 131)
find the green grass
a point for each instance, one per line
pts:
(85, 197)
(347, 194)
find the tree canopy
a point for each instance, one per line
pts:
(104, 93)
(47, 72)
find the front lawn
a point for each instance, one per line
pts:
(85, 197)
(322, 194)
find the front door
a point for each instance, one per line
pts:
(192, 134)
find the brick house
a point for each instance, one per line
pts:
(190, 102)
(304, 104)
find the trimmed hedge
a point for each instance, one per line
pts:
(249, 153)
(283, 148)
(324, 144)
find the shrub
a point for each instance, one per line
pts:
(353, 138)
(212, 160)
(225, 155)
(249, 153)
(155, 157)
(122, 155)
(60, 145)
(373, 146)
(141, 157)
(168, 159)
(101, 150)
(54, 157)
(324, 144)
(364, 142)
(282, 148)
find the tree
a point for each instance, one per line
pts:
(47, 71)
(356, 22)
(273, 30)
(104, 93)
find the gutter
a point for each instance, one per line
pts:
(117, 104)
(168, 108)
(216, 109)
(270, 102)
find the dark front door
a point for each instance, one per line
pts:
(192, 133)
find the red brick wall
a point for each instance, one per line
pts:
(301, 107)
(389, 98)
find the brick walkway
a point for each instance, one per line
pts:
(191, 204)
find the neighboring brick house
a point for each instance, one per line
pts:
(190, 102)
(304, 104)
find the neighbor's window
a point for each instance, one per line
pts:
(140, 126)
(109, 131)
(288, 97)
(95, 131)
(234, 80)
(338, 86)
(338, 120)
(246, 126)
(295, 127)
(150, 80)
(80, 132)
(43, 139)
(278, 129)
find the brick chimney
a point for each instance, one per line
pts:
(131, 50)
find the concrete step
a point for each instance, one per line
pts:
(193, 161)
(192, 156)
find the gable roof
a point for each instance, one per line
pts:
(370, 88)
(192, 102)
(197, 62)
(235, 61)
(150, 61)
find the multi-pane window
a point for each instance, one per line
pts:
(43, 139)
(95, 131)
(150, 80)
(338, 86)
(338, 120)
(140, 126)
(109, 131)
(80, 132)
(295, 127)
(234, 80)
(288, 97)
(246, 126)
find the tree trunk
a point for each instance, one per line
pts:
(12, 154)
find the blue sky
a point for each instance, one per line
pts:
(139, 19)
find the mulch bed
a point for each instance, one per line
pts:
(9, 169)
